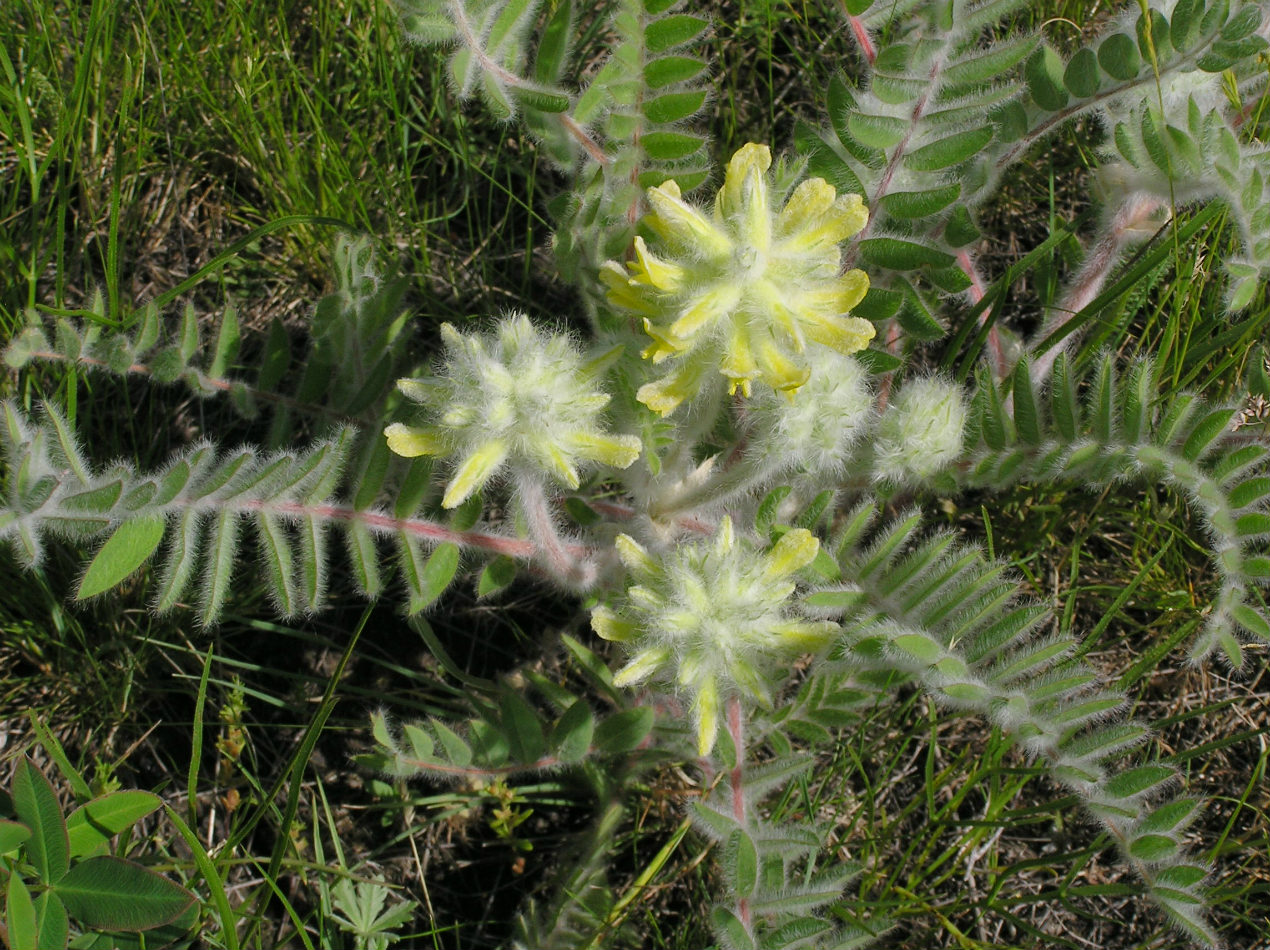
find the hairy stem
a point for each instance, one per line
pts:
(736, 782)
(555, 553)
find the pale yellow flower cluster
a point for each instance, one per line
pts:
(744, 288)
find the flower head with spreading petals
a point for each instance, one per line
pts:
(517, 397)
(745, 287)
(715, 617)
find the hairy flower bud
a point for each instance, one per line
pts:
(920, 433)
(516, 396)
(715, 617)
(817, 431)
(744, 287)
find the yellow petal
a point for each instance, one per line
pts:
(794, 551)
(649, 269)
(634, 556)
(738, 362)
(624, 292)
(608, 625)
(844, 334)
(679, 222)
(417, 390)
(664, 395)
(642, 666)
(557, 462)
(749, 161)
(846, 217)
(411, 442)
(474, 473)
(707, 716)
(811, 199)
(618, 451)
(779, 371)
(717, 303)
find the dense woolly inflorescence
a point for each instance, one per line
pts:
(744, 287)
(920, 433)
(817, 433)
(714, 616)
(513, 397)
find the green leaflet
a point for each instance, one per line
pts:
(920, 204)
(1081, 76)
(572, 734)
(110, 893)
(949, 151)
(1044, 75)
(127, 549)
(898, 254)
(877, 131)
(672, 31)
(668, 70)
(228, 339)
(740, 862)
(35, 803)
(91, 826)
(497, 575)
(673, 106)
(523, 728)
(553, 46)
(671, 146)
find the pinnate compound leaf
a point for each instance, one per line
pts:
(91, 826)
(126, 550)
(36, 805)
(110, 893)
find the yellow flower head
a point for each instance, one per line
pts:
(742, 287)
(714, 616)
(516, 396)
